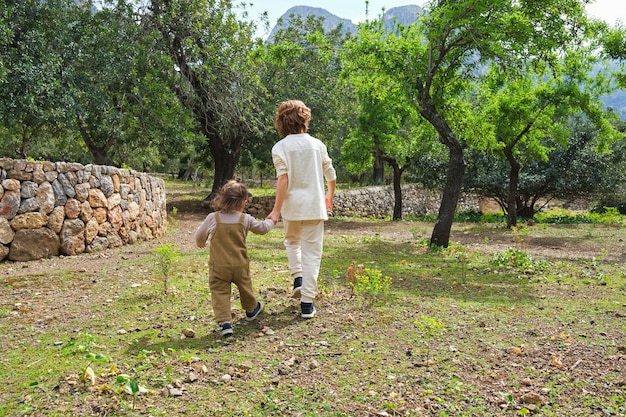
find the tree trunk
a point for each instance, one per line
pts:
(224, 163)
(378, 175)
(397, 189)
(99, 152)
(511, 201)
(451, 193)
(454, 177)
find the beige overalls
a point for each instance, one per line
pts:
(229, 264)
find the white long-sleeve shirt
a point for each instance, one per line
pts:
(207, 228)
(306, 162)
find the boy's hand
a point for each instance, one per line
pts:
(273, 216)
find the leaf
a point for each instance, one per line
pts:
(122, 378)
(90, 375)
(132, 387)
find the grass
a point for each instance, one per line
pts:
(462, 332)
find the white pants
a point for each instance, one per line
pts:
(304, 241)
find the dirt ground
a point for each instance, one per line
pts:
(36, 301)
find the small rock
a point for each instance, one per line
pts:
(59, 343)
(531, 398)
(176, 392)
(526, 381)
(190, 333)
(193, 377)
(226, 378)
(121, 331)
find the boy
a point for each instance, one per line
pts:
(302, 164)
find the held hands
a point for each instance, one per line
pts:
(274, 216)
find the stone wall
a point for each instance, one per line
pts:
(49, 208)
(377, 202)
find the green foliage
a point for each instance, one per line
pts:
(517, 259)
(610, 215)
(430, 328)
(371, 283)
(167, 256)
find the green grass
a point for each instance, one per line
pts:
(504, 322)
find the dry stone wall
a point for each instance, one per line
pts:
(377, 202)
(53, 208)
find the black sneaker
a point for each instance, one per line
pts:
(297, 287)
(308, 310)
(226, 329)
(255, 312)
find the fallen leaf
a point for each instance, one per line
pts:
(90, 376)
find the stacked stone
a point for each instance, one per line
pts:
(47, 208)
(376, 202)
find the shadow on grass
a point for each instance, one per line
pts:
(244, 331)
(424, 273)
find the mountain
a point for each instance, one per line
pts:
(404, 15)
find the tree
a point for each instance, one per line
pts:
(82, 87)
(387, 128)
(210, 50)
(530, 112)
(436, 58)
(574, 169)
(119, 99)
(613, 42)
(31, 97)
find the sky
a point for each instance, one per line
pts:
(609, 10)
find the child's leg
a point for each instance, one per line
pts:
(246, 292)
(293, 232)
(311, 243)
(220, 298)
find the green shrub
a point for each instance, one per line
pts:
(371, 283)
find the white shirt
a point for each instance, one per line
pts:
(306, 162)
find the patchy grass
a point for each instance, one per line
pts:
(474, 330)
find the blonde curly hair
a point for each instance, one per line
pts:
(292, 116)
(231, 197)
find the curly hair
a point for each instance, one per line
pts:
(231, 197)
(292, 116)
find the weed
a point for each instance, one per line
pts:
(520, 235)
(430, 327)
(166, 256)
(88, 373)
(369, 282)
(522, 261)
(130, 386)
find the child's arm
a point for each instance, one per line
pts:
(204, 231)
(281, 191)
(260, 227)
